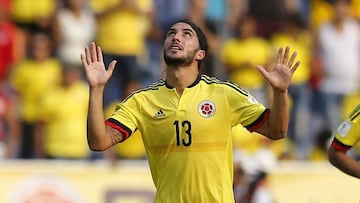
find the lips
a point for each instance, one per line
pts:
(175, 47)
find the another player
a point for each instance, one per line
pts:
(185, 120)
(347, 135)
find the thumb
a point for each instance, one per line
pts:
(112, 66)
(262, 70)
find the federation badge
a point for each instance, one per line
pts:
(206, 108)
(344, 128)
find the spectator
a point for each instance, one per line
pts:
(294, 32)
(338, 44)
(61, 125)
(121, 32)
(240, 55)
(74, 27)
(31, 79)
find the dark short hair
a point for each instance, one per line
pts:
(200, 35)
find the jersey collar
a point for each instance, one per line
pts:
(190, 86)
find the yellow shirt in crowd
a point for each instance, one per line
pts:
(243, 56)
(26, 11)
(122, 31)
(31, 80)
(64, 111)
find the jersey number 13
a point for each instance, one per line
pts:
(187, 138)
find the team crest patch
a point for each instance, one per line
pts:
(344, 128)
(206, 109)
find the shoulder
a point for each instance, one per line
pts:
(354, 115)
(225, 85)
(151, 89)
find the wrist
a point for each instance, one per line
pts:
(280, 92)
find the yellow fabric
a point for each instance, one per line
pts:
(64, 112)
(31, 80)
(245, 140)
(303, 46)
(320, 11)
(190, 154)
(355, 8)
(26, 11)
(243, 56)
(134, 147)
(348, 132)
(122, 32)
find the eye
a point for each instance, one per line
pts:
(170, 33)
(188, 33)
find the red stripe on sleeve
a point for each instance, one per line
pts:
(260, 122)
(339, 146)
(117, 127)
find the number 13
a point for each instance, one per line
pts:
(182, 141)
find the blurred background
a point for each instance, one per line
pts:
(44, 155)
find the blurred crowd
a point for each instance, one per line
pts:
(44, 95)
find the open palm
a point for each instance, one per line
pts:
(94, 67)
(280, 76)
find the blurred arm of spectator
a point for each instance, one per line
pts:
(236, 8)
(317, 69)
(12, 121)
(196, 14)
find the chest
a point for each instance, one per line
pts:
(194, 118)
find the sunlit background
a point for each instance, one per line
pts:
(44, 157)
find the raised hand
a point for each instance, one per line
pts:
(280, 76)
(94, 67)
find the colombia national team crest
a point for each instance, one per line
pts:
(206, 108)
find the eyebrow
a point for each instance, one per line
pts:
(185, 29)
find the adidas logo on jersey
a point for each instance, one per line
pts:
(159, 114)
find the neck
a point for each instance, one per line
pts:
(181, 77)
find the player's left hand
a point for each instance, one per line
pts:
(280, 76)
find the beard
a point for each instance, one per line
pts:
(180, 61)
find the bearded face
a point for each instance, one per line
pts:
(179, 60)
(181, 46)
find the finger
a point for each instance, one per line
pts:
(293, 69)
(112, 66)
(93, 52)
(286, 55)
(83, 60)
(292, 59)
(279, 55)
(99, 54)
(87, 55)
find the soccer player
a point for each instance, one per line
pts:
(185, 119)
(347, 135)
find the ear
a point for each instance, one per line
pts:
(200, 55)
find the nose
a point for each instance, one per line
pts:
(176, 37)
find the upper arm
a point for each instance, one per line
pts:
(114, 135)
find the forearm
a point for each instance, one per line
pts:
(276, 125)
(344, 163)
(96, 128)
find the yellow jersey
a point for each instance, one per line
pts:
(347, 134)
(64, 111)
(303, 47)
(188, 138)
(31, 80)
(243, 56)
(122, 32)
